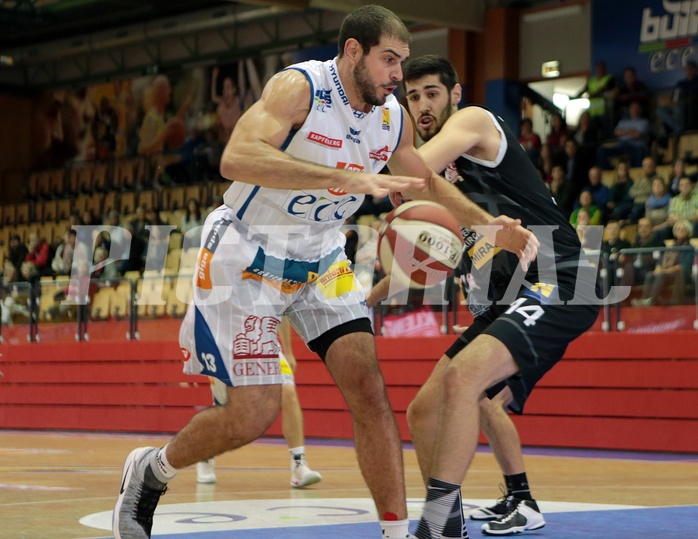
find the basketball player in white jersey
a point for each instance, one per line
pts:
(302, 158)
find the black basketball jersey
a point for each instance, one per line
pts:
(511, 186)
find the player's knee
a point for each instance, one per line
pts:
(248, 414)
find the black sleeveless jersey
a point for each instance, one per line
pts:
(512, 186)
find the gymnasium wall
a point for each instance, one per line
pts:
(611, 391)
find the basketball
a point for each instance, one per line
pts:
(420, 244)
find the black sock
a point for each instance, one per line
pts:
(517, 486)
(507, 484)
(443, 512)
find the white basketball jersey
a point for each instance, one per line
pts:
(305, 224)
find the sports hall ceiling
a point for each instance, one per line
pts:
(54, 43)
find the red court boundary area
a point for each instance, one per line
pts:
(611, 391)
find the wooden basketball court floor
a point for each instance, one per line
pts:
(63, 486)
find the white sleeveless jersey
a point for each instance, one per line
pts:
(304, 225)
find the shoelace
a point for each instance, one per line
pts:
(147, 503)
(510, 515)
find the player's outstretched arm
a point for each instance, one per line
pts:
(252, 154)
(407, 160)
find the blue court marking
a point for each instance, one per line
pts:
(656, 522)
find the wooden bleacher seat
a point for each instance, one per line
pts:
(46, 211)
(148, 199)
(8, 215)
(152, 291)
(99, 177)
(93, 204)
(608, 177)
(64, 209)
(173, 259)
(127, 203)
(119, 302)
(110, 202)
(23, 213)
(175, 240)
(187, 263)
(628, 233)
(179, 297)
(688, 145)
(57, 181)
(175, 198)
(100, 306)
(193, 191)
(38, 184)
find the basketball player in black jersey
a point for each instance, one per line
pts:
(524, 318)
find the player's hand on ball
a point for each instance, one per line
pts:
(514, 238)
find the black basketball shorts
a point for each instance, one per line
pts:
(536, 334)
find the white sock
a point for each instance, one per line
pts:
(395, 529)
(161, 467)
(297, 451)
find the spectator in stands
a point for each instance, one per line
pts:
(17, 251)
(63, 259)
(675, 268)
(104, 128)
(588, 137)
(545, 163)
(611, 246)
(29, 273)
(39, 253)
(678, 172)
(562, 190)
(118, 239)
(642, 188)
(631, 134)
(576, 168)
(136, 255)
(619, 200)
(586, 203)
(228, 105)
(599, 192)
(657, 205)
(106, 270)
(78, 293)
(191, 222)
(673, 115)
(644, 263)
(599, 89)
(558, 133)
(59, 126)
(14, 296)
(155, 133)
(158, 237)
(529, 140)
(138, 224)
(685, 204)
(582, 225)
(631, 90)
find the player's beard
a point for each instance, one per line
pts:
(365, 85)
(436, 126)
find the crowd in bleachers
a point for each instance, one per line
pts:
(39, 243)
(628, 164)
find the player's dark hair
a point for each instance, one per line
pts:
(431, 64)
(368, 24)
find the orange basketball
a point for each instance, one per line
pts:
(420, 244)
